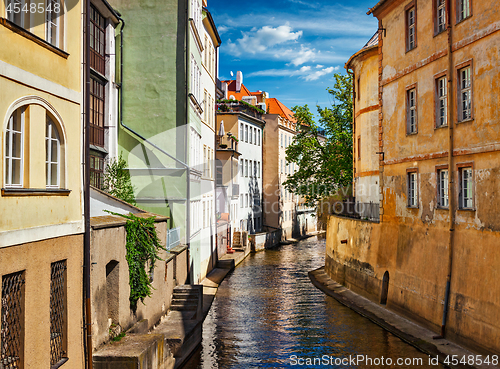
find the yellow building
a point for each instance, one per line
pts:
(41, 226)
(434, 78)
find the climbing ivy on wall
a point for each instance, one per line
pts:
(143, 246)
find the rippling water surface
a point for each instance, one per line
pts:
(267, 314)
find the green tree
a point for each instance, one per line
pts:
(117, 181)
(325, 164)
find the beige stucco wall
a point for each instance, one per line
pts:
(411, 244)
(366, 125)
(271, 171)
(108, 244)
(33, 74)
(35, 260)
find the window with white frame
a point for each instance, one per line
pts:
(242, 132)
(250, 174)
(52, 155)
(440, 15)
(281, 142)
(466, 195)
(196, 14)
(242, 199)
(442, 109)
(246, 201)
(205, 107)
(242, 168)
(195, 74)
(442, 177)
(195, 149)
(14, 149)
(464, 9)
(246, 133)
(18, 12)
(53, 13)
(258, 137)
(411, 29)
(412, 190)
(255, 169)
(465, 96)
(258, 170)
(411, 110)
(246, 168)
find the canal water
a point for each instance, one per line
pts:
(267, 314)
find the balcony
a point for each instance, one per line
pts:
(236, 106)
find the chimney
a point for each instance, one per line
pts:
(239, 80)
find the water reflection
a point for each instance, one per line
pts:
(267, 314)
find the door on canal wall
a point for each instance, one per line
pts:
(385, 288)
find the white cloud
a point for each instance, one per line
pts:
(320, 73)
(319, 66)
(259, 40)
(305, 72)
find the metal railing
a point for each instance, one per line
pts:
(173, 237)
(12, 321)
(357, 210)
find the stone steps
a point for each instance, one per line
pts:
(187, 298)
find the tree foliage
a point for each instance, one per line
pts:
(324, 165)
(117, 181)
(142, 246)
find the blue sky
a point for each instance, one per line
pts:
(290, 48)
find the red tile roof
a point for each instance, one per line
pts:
(274, 106)
(231, 90)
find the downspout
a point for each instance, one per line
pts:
(186, 143)
(451, 177)
(86, 192)
(184, 165)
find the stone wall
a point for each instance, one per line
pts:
(414, 258)
(110, 290)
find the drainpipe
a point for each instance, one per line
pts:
(186, 140)
(180, 162)
(86, 193)
(451, 198)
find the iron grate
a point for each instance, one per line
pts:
(12, 321)
(57, 312)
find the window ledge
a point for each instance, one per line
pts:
(467, 209)
(30, 36)
(465, 121)
(196, 103)
(439, 127)
(442, 208)
(463, 20)
(409, 50)
(412, 134)
(59, 363)
(411, 207)
(439, 32)
(35, 192)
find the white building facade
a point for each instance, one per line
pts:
(250, 215)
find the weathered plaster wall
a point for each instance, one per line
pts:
(108, 244)
(270, 171)
(366, 126)
(35, 260)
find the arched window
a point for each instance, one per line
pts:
(14, 150)
(52, 155)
